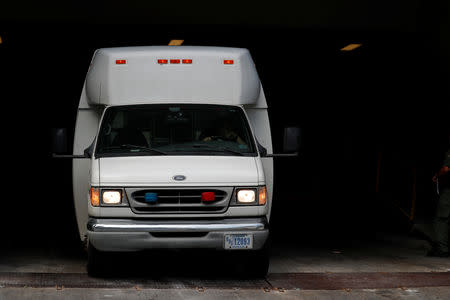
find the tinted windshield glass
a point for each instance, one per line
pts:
(174, 130)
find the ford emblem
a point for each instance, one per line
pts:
(179, 177)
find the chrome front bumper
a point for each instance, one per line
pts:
(134, 235)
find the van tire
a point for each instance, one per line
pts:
(94, 261)
(254, 263)
(258, 263)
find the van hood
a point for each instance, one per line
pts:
(161, 170)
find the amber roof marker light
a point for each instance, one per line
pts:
(350, 47)
(176, 42)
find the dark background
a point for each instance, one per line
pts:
(383, 107)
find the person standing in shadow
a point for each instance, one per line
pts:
(441, 220)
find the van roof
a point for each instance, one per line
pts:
(135, 75)
(202, 50)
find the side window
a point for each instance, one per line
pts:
(115, 126)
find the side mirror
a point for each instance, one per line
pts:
(291, 141)
(291, 144)
(59, 145)
(59, 140)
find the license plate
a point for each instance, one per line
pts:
(238, 241)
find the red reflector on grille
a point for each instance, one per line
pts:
(208, 196)
(162, 61)
(174, 61)
(120, 61)
(228, 61)
(187, 61)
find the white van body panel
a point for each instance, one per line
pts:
(87, 122)
(143, 80)
(206, 81)
(259, 122)
(126, 212)
(159, 170)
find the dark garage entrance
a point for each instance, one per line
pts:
(375, 123)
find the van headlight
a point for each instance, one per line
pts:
(246, 196)
(111, 197)
(250, 196)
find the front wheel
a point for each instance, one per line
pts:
(258, 263)
(95, 261)
(254, 263)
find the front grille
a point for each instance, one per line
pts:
(178, 200)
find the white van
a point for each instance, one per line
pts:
(175, 142)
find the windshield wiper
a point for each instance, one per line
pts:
(130, 146)
(219, 149)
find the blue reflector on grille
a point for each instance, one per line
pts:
(151, 197)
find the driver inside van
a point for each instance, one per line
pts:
(224, 133)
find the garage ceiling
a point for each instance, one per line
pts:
(400, 15)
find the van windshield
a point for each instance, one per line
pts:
(181, 129)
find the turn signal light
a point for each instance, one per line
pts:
(95, 197)
(208, 196)
(262, 197)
